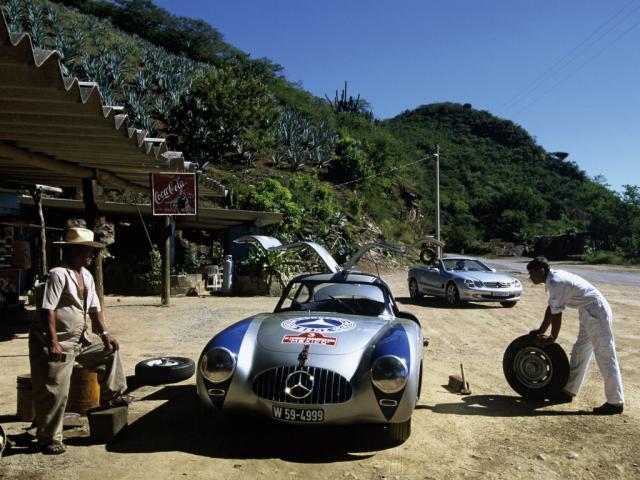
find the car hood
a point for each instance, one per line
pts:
(325, 333)
(486, 277)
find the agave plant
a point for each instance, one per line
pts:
(13, 13)
(36, 22)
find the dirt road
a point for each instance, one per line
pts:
(489, 434)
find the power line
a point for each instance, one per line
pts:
(572, 72)
(572, 55)
(392, 169)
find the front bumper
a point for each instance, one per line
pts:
(490, 294)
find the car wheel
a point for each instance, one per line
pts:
(508, 304)
(160, 370)
(452, 296)
(536, 373)
(414, 291)
(399, 432)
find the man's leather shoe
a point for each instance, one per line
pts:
(608, 409)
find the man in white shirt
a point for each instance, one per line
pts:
(61, 337)
(595, 337)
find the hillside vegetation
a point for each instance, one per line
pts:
(338, 175)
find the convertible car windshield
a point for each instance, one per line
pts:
(348, 298)
(464, 265)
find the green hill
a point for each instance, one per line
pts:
(338, 175)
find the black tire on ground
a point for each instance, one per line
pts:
(508, 304)
(452, 296)
(160, 370)
(399, 432)
(414, 291)
(536, 373)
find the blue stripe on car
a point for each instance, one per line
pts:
(394, 342)
(231, 339)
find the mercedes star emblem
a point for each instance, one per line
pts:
(298, 384)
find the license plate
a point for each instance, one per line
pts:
(501, 294)
(303, 415)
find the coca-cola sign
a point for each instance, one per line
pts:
(174, 193)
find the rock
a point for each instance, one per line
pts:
(619, 468)
(572, 455)
(237, 465)
(541, 456)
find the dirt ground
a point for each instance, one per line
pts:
(491, 433)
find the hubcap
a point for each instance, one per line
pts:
(533, 367)
(451, 294)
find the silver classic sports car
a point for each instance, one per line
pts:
(336, 350)
(463, 279)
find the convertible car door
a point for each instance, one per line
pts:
(433, 279)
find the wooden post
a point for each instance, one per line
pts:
(91, 215)
(37, 198)
(166, 262)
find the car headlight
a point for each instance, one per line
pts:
(473, 283)
(218, 365)
(389, 373)
(516, 283)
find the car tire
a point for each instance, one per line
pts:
(414, 290)
(452, 296)
(508, 304)
(161, 370)
(399, 432)
(536, 373)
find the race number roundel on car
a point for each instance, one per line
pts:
(318, 325)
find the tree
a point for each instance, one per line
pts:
(271, 196)
(226, 108)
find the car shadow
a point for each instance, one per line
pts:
(498, 406)
(182, 423)
(435, 302)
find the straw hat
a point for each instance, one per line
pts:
(80, 236)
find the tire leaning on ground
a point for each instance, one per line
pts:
(536, 373)
(160, 370)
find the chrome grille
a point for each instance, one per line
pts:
(497, 284)
(328, 387)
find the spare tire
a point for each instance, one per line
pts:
(535, 372)
(159, 370)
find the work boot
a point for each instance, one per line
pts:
(608, 409)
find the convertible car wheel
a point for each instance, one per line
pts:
(508, 304)
(414, 291)
(536, 373)
(160, 370)
(399, 432)
(452, 295)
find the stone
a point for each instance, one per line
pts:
(541, 456)
(572, 455)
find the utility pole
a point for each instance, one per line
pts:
(437, 156)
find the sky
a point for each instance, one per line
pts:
(568, 71)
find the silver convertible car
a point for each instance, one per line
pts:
(335, 350)
(463, 279)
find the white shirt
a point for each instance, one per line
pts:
(63, 295)
(564, 289)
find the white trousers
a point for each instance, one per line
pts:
(595, 337)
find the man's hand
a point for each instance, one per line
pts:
(544, 340)
(110, 342)
(56, 354)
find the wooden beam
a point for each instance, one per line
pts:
(46, 163)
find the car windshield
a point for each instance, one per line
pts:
(348, 298)
(464, 265)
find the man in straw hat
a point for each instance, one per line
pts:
(61, 338)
